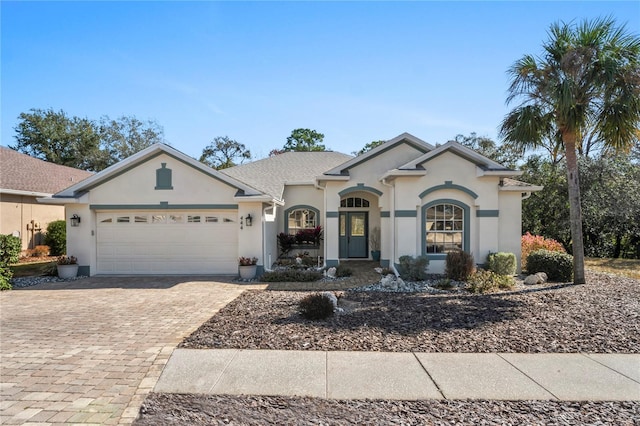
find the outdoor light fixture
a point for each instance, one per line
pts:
(75, 220)
(248, 220)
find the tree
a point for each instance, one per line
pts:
(223, 153)
(53, 136)
(80, 142)
(588, 77)
(304, 140)
(124, 136)
(369, 146)
(505, 154)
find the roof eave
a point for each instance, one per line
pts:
(516, 188)
(398, 173)
(25, 193)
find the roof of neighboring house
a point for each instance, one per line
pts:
(23, 173)
(271, 174)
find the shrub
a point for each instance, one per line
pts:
(10, 247)
(56, 237)
(290, 275)
(558, 266)
(483, 281)
(316, 307)
(5, 278)
(343, 271)
(444, 284)
(502, 263)
(413, 268)
(41, 251)
(531, 243)
(459, 265)
(9, 253)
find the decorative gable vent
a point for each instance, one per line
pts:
(163, 177)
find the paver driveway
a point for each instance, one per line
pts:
(89, 351)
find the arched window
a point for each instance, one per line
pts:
(445, 227)
(299, 219)
(354, 202)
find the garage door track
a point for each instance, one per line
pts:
(89, 351)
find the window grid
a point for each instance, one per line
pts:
(301, 219)
(445, 228)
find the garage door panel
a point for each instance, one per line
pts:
(166, 248)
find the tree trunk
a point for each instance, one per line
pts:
(575, 211)
(618, 246)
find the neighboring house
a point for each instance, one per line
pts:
(162, 212)
(23, 179)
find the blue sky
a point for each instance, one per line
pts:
(355, 71)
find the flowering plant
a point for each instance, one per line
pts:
(67, 260)
(247, 261)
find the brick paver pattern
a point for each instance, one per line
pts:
(89, 351)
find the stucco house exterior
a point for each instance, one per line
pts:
(162, 212)
(24, 179)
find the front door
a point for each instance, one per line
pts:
(353, 234)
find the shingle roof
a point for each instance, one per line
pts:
(21, 172)
(270, 174)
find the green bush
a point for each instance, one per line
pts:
(10, 247)
(316, 307)
(502, 263)
(5, 278)
(56, 237)
(557, 265)
(459, 265)
(343, 271)
(483, 281)
(413, 268)
(290, 276)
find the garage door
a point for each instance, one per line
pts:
(167, 242)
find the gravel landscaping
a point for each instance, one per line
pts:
(173, 409)
(602, 316)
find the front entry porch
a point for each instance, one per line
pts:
(353, 238)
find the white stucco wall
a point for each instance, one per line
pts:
(510, 233)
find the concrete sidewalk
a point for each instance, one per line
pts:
(406, 376)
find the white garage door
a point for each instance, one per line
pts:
(167, 242)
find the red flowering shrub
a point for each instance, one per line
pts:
(531, 243)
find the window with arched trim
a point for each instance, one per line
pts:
(445, 228)
(354, 202)
(300, 219)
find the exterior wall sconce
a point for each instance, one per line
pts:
(75, 220)
(248, 221)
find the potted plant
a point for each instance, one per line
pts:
(374, 242)
(67, 267)
(247, 267)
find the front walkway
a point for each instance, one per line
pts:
(88, 351)
(404, 375)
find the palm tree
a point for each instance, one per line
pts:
(587, 80)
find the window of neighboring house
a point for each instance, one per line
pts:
(444, 228)
(301, 219)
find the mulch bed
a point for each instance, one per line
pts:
(601, 316)
(173, 409)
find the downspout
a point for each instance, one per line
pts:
(526, 195)
(392, 219)
(324, 207)
(264, 236)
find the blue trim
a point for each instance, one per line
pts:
(299, 207)
(385, 213)
(332, 263)
(259, 270)
(84, 270)
(360, 187)
(448, 185)
(466, 223)
(384, 263)
(163, 205)
(487, 213)
(406, 213)
(332, 214)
